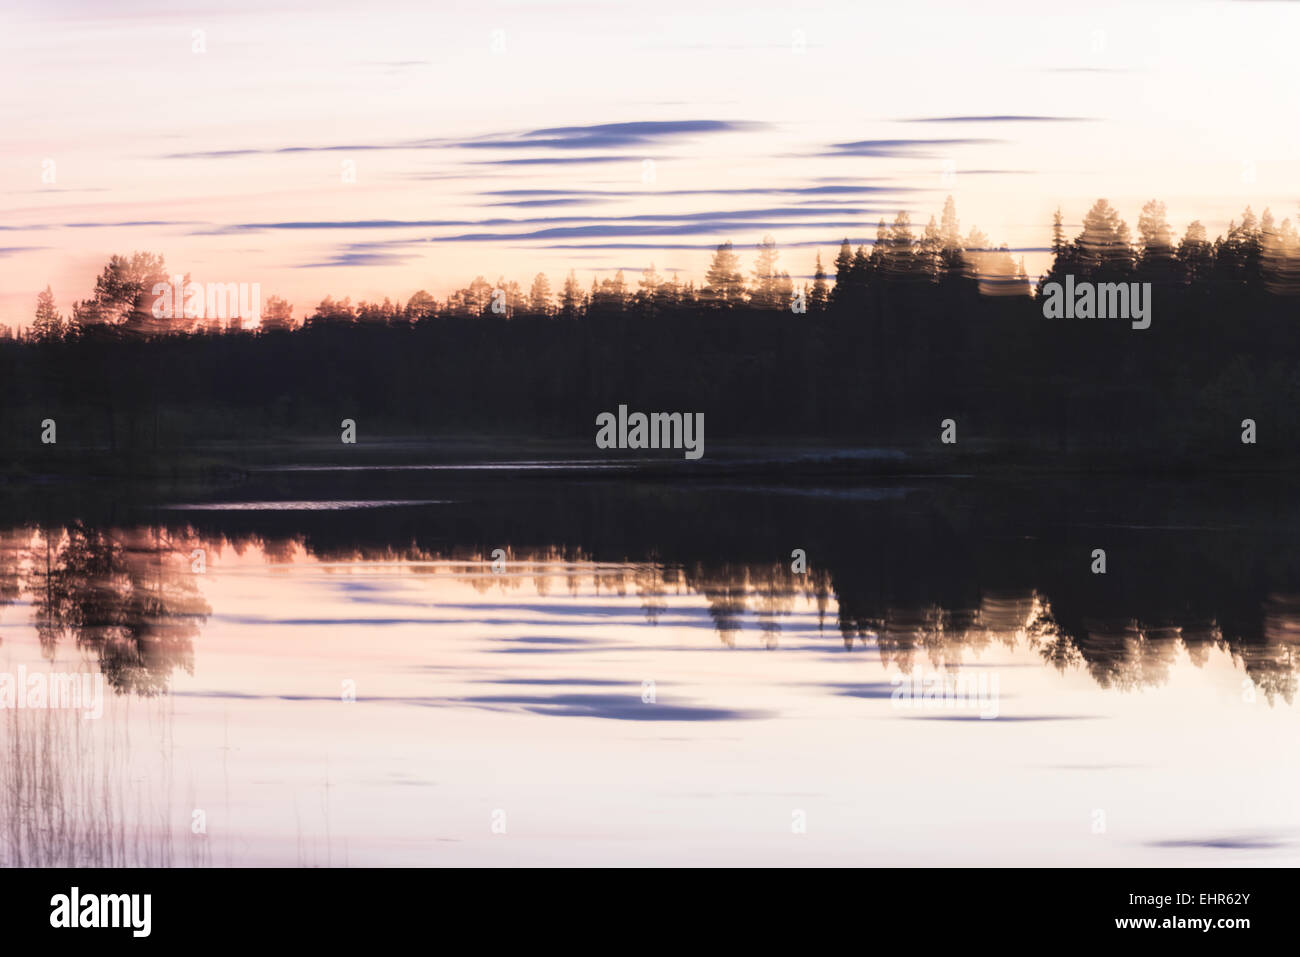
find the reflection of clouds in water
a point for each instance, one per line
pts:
(567, 682)
(1006, 718)
(1226, 843)
(622, 707)
(625, 707)
(436, 702)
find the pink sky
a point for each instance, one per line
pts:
(375, 150)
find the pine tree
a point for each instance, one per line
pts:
(784, 291)
(571, 297)
(123, 296)
(618, 292)
(818, 295)
(1104, 242)
(516, 301)
(539, 295)
(648, 290)
(277, 315)
(843, 266)
(901, 254)
(724, 283)
(420, 306)
(668, 295)
(929, 251)
(1155, 236)
(765, 293)
(880, 248)
(1058, 234)
(950, 239)
(48, 324)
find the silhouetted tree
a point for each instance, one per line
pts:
(1103, 247)
(48, 324)
(819, 295)
(843, 267)
(421, 306)
(1059, 243)
(1196, 254)
(329, 312)
(571, 297)
(608, 296)
(724, 285)
(277, 315)
(950, 239)
(900, 253)
(1155, 237)
(539, 295)
(123, 296)
(764, 293)
(1279, 248)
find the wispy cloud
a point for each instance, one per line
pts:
(608, 135)
(600, 136)
(999, 118)
(569, 197)
(833, 240)
(57, 189)
(708, 227)
(556, 160)
(768, 214)
(903, 148)
(111, 225)
(1086, 69)
(358, 256)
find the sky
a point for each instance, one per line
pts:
(373, 150)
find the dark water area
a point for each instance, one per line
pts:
(1206, 562)
(550, 594)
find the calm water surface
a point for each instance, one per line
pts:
(298, 673)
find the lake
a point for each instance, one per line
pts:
(588, 662)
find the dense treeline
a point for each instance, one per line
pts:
(916, 329)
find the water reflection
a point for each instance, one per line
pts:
(550, 645)
(130, 597)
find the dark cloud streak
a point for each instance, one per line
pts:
(600, 136)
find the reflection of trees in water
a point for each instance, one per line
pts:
(13, 543)
(131, 597)
(890, 613)
(769, 591)
(11, 547)
(1133, 654)
(1125, 655)
(128, 596)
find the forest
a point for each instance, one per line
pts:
(875, 349)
